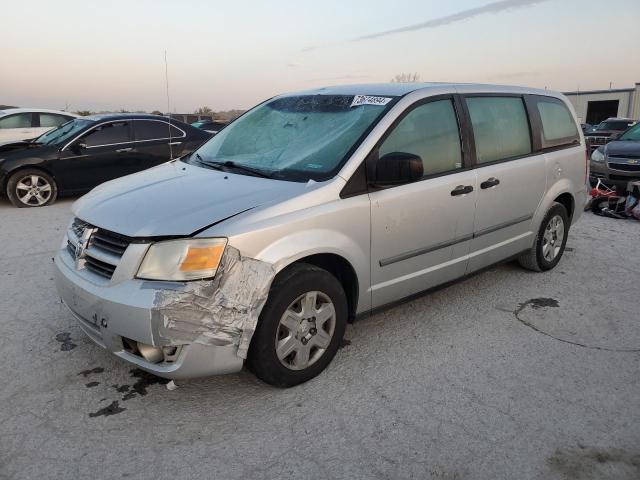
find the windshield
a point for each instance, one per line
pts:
(632, 134)
(617, 125)
(63, 132)
(296, 138)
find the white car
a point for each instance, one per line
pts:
(23, 123)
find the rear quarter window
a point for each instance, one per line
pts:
(558, 126)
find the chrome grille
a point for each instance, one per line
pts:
(78, 227)
(110, 242)
(624, 163)
(71, 248)
(103, 249)
(98, 267)
(598, 140)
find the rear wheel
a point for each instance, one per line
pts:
(31, 188)
(300, 327)
(550, 241)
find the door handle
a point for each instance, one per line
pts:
(492, 182)
(124, 150)
(175, 143)
(461, 190)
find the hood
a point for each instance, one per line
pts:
(623, 147)
(601, 133)
(177, 199)
(21, 145)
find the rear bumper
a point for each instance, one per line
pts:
(111, 314)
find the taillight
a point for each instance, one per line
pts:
(586, 165)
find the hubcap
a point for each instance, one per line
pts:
(553, 238)
(305, 330)
(33, 190)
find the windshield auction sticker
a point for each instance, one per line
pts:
(369, 100)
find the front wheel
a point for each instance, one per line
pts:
(300, 327)
(550, 241)
(31, 188)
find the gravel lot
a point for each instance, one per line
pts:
(506, 375)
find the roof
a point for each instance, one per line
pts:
(127, 116)
(401, 89)
(8, 111)
(619, 119)
(588, 92)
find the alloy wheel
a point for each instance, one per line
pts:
(33, 190)
(553, 238)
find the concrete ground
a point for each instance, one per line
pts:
(506, 375)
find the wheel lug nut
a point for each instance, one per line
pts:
(304, 340)
(313, 331)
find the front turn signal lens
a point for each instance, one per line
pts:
(202, 258)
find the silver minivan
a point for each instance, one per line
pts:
(313, 209)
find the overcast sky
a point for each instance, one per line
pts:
(232, 54)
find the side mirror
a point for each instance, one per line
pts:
(396, 168)
(79, 146)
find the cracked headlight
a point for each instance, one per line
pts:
(597, 156)
(180, 260)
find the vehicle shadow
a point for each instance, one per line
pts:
(4, 201)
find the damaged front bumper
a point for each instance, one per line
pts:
(612, 174)
(120, 315)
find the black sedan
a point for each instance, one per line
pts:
(88, 151)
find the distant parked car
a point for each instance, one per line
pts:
(606, 131)
(211, 126)
(586, 127)
(618, 162)
(88, 151)
(23, 123)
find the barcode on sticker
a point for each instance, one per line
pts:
(369, 100)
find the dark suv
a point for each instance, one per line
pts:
(88, 151)
(606, 131)
(618, 162)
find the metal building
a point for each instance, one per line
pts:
(597, 105)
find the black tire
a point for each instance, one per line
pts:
(534, 258)
(292, 283)
(45, 187)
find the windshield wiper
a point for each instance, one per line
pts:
(233, 166)
(199, 159)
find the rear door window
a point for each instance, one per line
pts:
(155, 130)
(558, 126)
(500, 128)
(18, 120)
(108, 134)
(50, 120)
